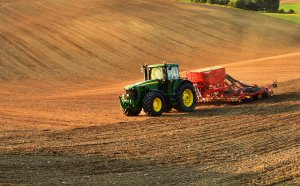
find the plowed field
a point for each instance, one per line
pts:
(63, 65)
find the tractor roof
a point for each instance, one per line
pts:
(163, 65)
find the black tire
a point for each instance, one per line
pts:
(148, 104)
(257, 97)
(248, 100)
(181, 107)
(132, 111)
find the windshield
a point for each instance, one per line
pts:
(156, 73)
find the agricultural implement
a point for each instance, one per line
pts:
(164, 89)
(213, 84)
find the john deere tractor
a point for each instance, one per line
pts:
(162, 90)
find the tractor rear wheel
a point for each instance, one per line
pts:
(132, 111)
(186, 98)
(154, 104)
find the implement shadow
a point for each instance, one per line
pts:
(283, 103)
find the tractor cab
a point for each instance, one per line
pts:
(167, 72)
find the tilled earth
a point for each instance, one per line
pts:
(60, 121)
(250, 143)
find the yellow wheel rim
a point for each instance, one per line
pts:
(157, 104)
(188, 98)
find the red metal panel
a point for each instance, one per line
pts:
(211, 75)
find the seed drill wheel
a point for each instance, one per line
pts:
(186, 98)
(270, 94)
(132, 111)
(154, 104)
(259, 97)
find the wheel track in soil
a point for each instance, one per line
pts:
(255, 143)
(212, 132)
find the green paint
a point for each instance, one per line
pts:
(166, 87)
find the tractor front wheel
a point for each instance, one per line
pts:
(132, 111)
(154, 104)
(186, 98)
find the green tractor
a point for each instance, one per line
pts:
(162, 90)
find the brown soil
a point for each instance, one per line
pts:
(101, 39)
(60, 121)
(254, 143)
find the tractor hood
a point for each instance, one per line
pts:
(143, 83)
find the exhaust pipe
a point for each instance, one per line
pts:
(145, 70)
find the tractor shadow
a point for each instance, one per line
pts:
(282, 103)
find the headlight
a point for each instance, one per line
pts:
(125, 96)
(132, 94)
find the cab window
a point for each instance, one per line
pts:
(173, 73)
(156, 73)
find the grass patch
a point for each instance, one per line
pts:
(287, 7)
(293, 18)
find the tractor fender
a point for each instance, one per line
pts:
(159, 91)
(182, 82)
